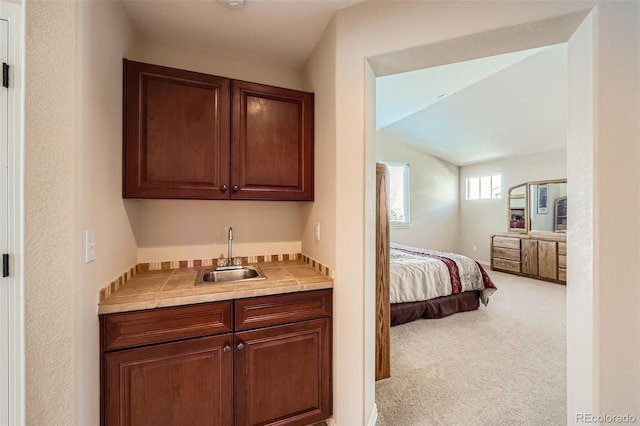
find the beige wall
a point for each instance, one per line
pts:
(104, 38)
(50, 214)
(481, 218)
(319, 77)
(187, 229)
(375, 28)
(433, 196)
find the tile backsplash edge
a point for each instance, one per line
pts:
(198, 263)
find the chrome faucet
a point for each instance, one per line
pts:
(230, 258)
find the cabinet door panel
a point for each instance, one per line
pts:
(530, 257)
(548, 259)
(176, 133)
(182, 383)
(283, 374)
(272, 143)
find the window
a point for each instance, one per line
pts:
(399, 196)
(484, 187)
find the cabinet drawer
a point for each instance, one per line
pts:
(507, 265)
(562, 261)
(505, 253)
(164, 325)
(562, 274)
(562, 248)
(507, 242)
(273, 310)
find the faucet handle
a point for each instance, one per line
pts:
(222, 261)
(237, 261)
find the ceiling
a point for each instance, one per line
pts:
(464, 113)
(481, 110)
(285, 31)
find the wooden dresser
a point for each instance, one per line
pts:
(531, 255)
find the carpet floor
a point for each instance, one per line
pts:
(504, 364)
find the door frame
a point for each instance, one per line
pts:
(13, 13)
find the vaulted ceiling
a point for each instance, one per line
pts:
(481, 110)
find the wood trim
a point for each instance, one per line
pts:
(383, 304)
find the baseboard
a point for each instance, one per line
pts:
(374, 416)
(372, 419)
(485, 264)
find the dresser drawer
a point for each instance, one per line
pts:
(562, 248)
(562, 274)
(507, 242)
(273, 310)
(507, 265)
(506, 253)
(167, 324)
(562, 261)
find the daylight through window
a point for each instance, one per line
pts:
(484, 187)
(399, 194)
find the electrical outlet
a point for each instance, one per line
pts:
(89, 246)
(475, 248)
(316, 231)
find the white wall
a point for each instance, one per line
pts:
(616, 231)
(195, 229)
(375, 28)
(433, 196)
(481, 218)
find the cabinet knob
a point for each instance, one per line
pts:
(226, 348)
(235, 188)
(223, 188)
(241, 346)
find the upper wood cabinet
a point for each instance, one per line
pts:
(198, 136)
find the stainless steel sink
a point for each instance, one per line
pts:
(213, 276)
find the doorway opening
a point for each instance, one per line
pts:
(577, 34)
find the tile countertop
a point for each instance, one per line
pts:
(175, 287)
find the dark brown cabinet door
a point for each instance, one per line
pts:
(272, 143)
(283, 374)
(176, 133)
(183, 383)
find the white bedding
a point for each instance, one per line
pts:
(415, 277)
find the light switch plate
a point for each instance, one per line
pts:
(89, 246)
(317, 231)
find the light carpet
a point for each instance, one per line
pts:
(504, 364)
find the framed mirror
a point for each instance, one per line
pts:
(539, 206)
(517, 213)
(544, 199)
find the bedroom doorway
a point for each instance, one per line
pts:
(580, 44)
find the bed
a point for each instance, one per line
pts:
(432, 284)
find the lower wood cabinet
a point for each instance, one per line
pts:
(279, 372)
(532, 256)
(180, 383)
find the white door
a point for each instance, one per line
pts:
(4, 243)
